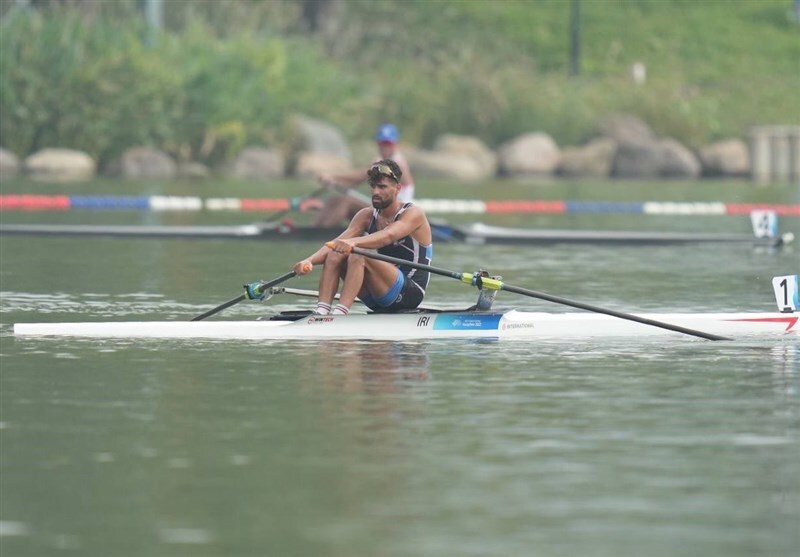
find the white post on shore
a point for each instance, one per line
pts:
(775, 154)
(154, 17)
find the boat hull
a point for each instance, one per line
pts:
(510, 324)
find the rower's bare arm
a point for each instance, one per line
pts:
(348, 179)
(409, 222)
(357, 227)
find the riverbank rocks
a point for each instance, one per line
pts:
(311, 165)
(593, 160)
(663, 158)
(61, 165)
(726, 158)
(147, 163)
(677, 160)
(9, 164)
(453, 157)
(625, 129)
(529, 154)
(472, 148)
(259, 163)
(191, 170)
(308, 137)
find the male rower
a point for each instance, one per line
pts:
(338, 208)
(393, 227)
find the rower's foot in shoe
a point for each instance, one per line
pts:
(322, 309)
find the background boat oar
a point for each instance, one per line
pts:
(295, 203)
(261, 289)
(493, 284)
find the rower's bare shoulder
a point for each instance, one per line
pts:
(363, 215)
(417, 215)
(415, 211)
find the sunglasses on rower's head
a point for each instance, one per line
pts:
(377, 170)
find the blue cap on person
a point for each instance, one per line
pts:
(387, 133)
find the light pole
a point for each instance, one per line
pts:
(154, 18)
(575, 38)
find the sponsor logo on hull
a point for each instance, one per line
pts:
(468, 322)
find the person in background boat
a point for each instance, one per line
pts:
(393, 227)
(340, 208)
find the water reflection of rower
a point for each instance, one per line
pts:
(373, 366)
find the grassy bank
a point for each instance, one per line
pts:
(229, 73)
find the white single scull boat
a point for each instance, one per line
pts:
(430, 325)
(427, 323)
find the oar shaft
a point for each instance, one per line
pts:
(220, 307)
(264, 286)
(398, 261)
(613, 313)
(498, 285)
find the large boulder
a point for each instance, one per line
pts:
(443, 165)
(471, 147)
(192, 170)
(62, 165)
(315, 136)
(624, 128)
(529, 154)
(311, 165)
(365, 153)
(9, 164)
(661, 158)
(313, 144)
(677, 161)
(726, 158)
(259, 163)
(594, 159)
(637, 160)
(147, 163)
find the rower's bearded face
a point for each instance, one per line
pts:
(384, 193)
(380, 203)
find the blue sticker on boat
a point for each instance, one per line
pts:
(467, 321)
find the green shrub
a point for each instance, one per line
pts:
(228, 73)
(68, 82)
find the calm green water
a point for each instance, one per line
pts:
(130, 448)
(364, 448)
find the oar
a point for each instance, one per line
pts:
(294, 204)
(261, 288)
(493, 284)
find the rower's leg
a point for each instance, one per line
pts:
(353, 280)
(333, 269)
(377, 277)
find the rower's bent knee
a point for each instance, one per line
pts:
(355, 259)
(334, 257)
